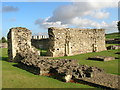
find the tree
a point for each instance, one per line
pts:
(118, 26)
(3, 39)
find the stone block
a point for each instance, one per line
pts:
(101, 58)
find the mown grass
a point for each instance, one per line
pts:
(13, 77)
(110, 44)
(112, 35)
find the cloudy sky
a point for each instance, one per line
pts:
(38, 16)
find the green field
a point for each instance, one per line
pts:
(14, 77)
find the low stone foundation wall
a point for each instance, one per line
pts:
(113, 41)
(113, 47)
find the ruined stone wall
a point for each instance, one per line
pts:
(40, 43)
(19, 41)
(69, 41)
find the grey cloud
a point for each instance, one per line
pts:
(9, 9)
(12, 19)
(43, 23)
(80, 9)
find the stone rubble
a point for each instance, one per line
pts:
(68, 69)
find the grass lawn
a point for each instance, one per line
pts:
(13, 77)
(112, 35)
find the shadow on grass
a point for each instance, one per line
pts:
(4, 59)
(36, 71)
(31, 69)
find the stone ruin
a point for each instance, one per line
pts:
(20, 50)
(19, 40)
(72, 41)
(28, 58)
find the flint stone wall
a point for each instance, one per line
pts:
(19, 41)
(40, 43)
(69, 41)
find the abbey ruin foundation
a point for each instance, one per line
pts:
(61, 42)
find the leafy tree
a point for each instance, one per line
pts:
(118, 26)
(3, 39)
